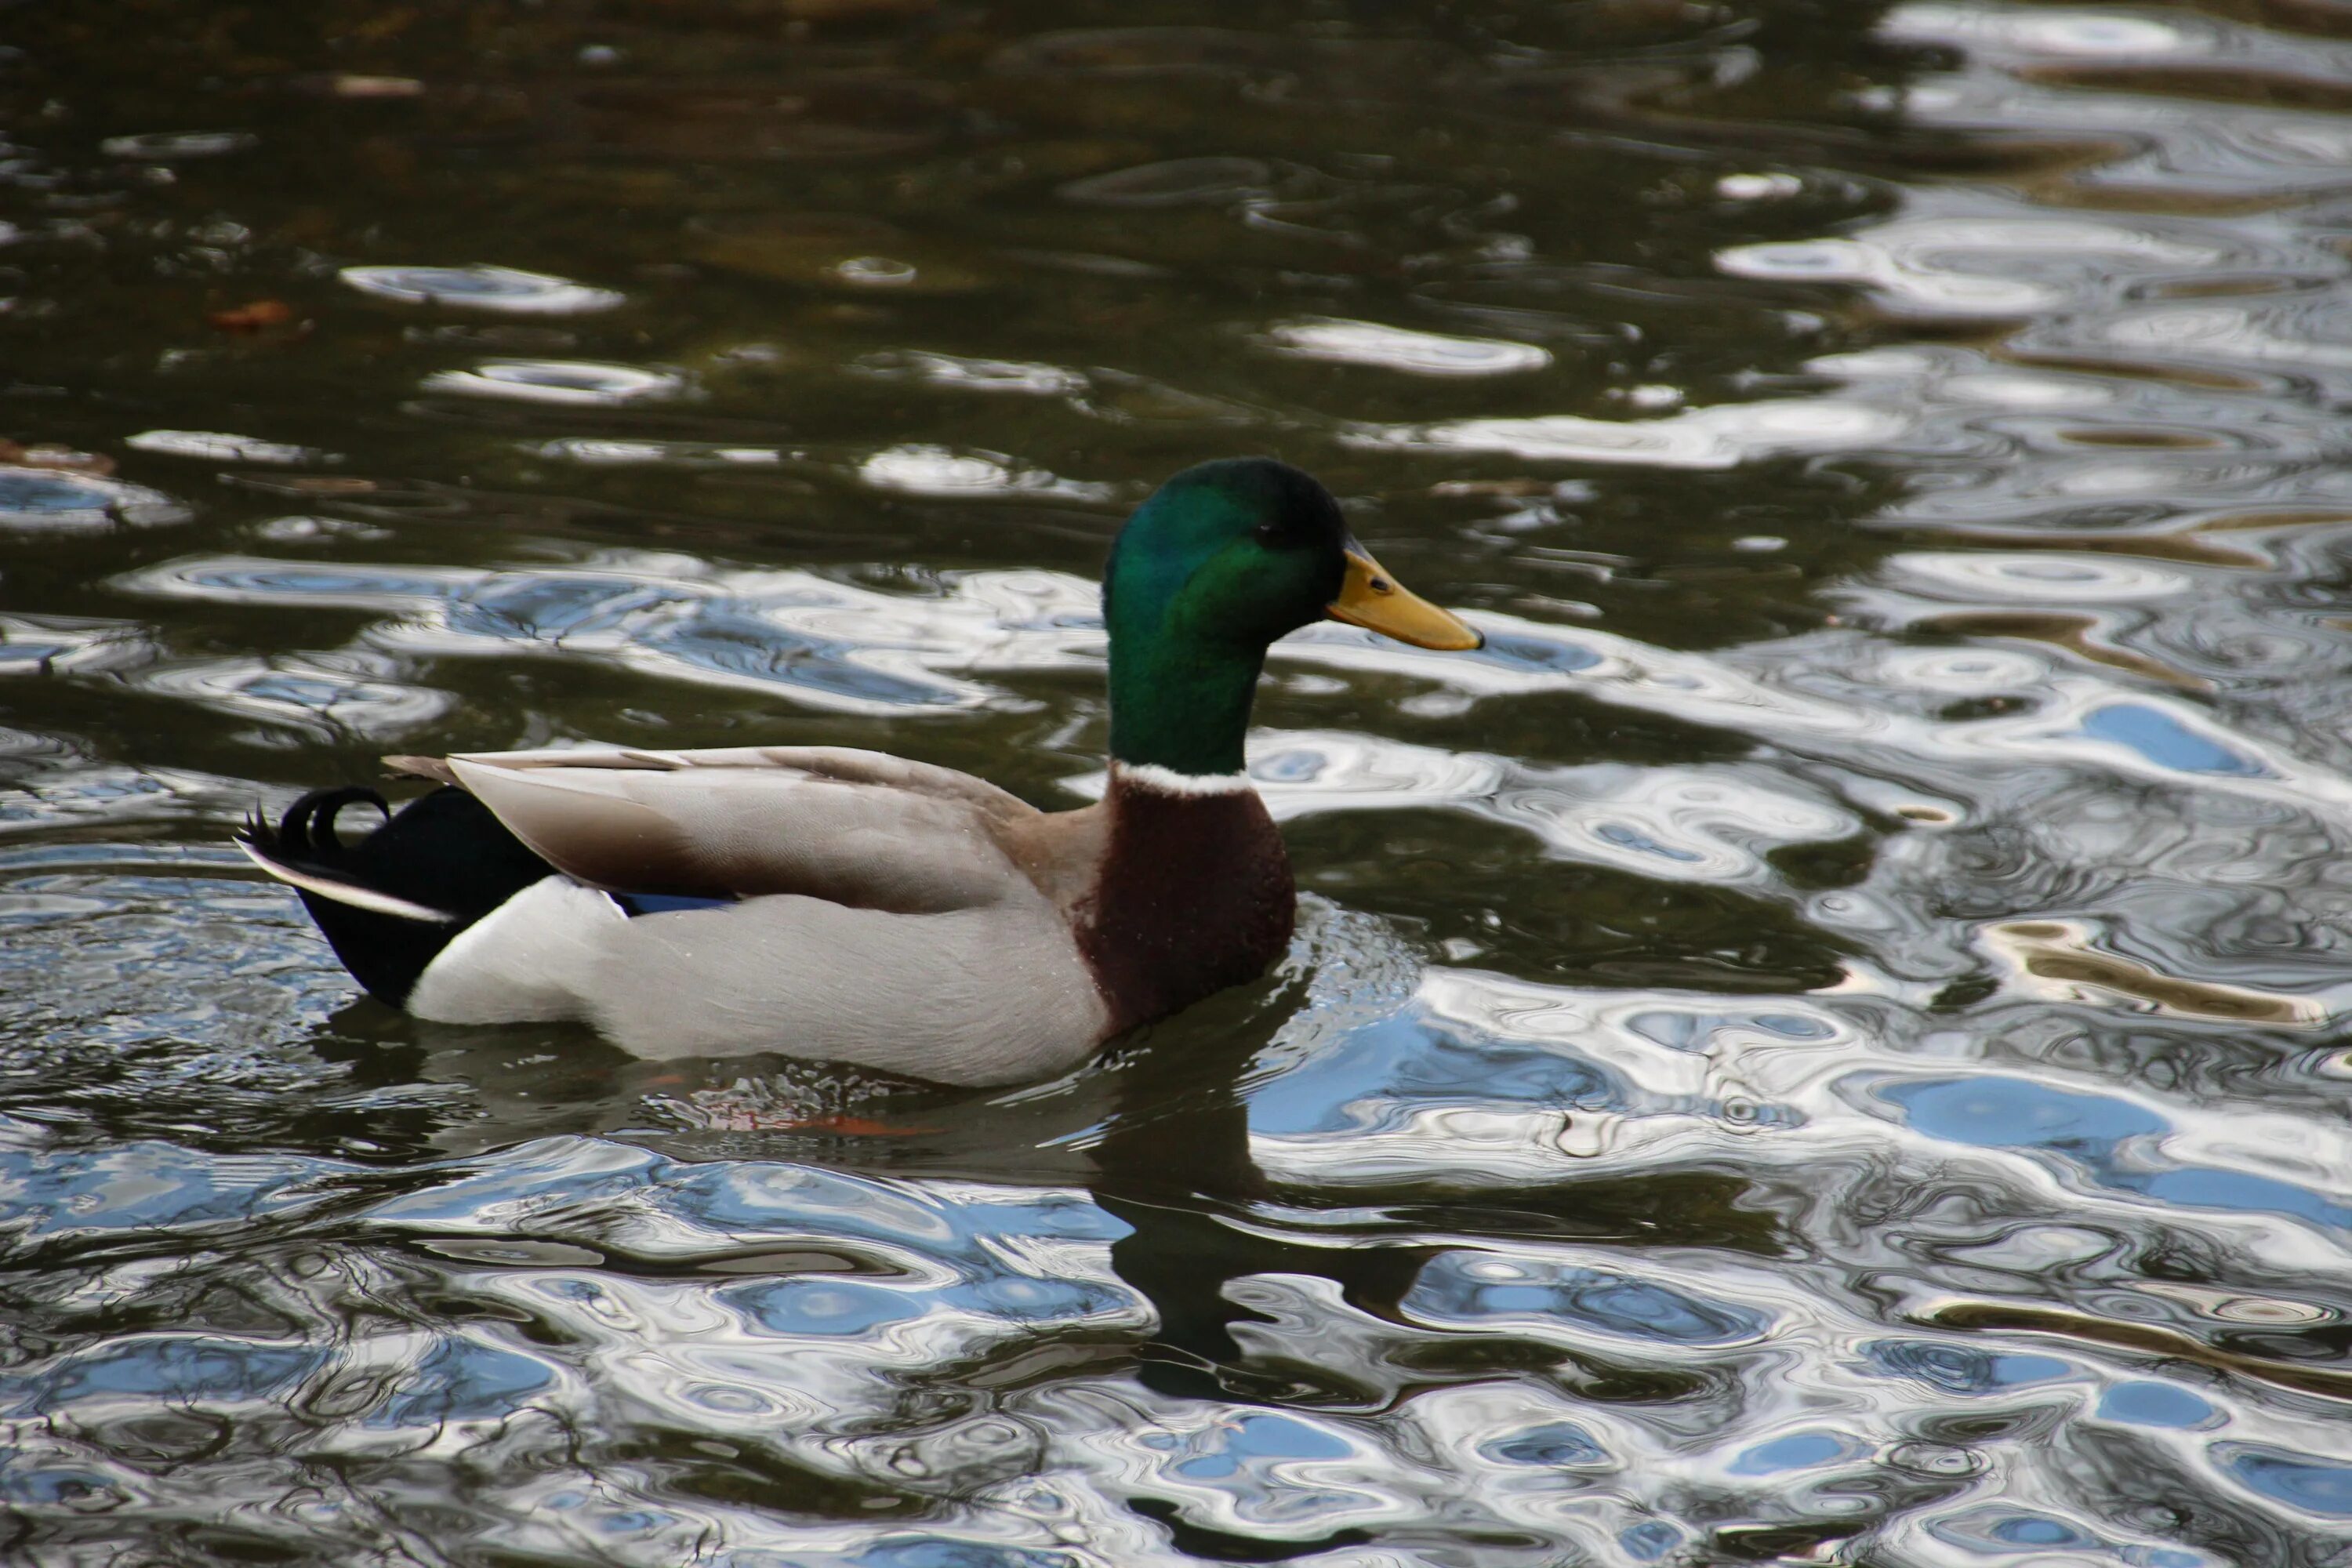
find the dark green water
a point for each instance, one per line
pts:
(1822, 1044)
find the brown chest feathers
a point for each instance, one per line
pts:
(1194, 896)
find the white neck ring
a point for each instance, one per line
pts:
(1167, 780)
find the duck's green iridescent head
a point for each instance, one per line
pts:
(1224, 559)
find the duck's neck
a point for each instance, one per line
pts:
(1179, 707)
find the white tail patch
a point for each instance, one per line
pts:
(534, 956)
(349, 893)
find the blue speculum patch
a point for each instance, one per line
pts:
(636, 904)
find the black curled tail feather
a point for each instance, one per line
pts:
(389, 902)
(307, 831)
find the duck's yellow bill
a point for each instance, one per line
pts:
(1371, 598)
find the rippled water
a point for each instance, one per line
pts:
(1822, 1043)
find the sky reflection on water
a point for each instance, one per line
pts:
(1822, 1042)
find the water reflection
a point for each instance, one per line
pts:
(1820, 1042)
(1394, 348)
(1717, 437)
(47, 500)
(163, 146)
(506, 290)
(217, 447)
(567, 383)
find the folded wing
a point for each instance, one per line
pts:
(858, 828)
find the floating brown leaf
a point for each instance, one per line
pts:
(14, 455)
(252, 316)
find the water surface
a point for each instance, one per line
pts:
(1822, 1043)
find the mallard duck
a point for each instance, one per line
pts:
(851, 906)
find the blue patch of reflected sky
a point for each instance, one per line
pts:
(2165, 741)
(2303, 1481)
(1406, 1058)
(461, 1380)
(1551, 1445)
(1796, 1451)
(1961, 1369)
(1537, 655)
(1462, 1288)
(2000, 1111)
(199, 1370)
(824, 1306)
(2146, 1404)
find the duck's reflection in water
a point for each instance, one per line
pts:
(1174, 1164)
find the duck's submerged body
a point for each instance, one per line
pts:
(990, 942)
(848, 905)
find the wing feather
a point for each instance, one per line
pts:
(859, 828)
